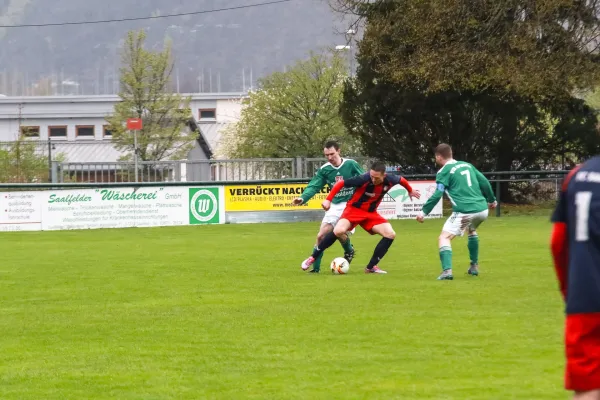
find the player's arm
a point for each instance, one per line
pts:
(440, 188)
(559, 241)
(485, 186)
(402, 181)
(442, 182)
(560, 254)
(314, 186)
(355, 181)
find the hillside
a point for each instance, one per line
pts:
(226, 48)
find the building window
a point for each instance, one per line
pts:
(208, 114)
(107, 131)
(57, 131)
(30, 131)
(85, 130)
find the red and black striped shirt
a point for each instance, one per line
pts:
(367, 195)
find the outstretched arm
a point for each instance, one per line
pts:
(355, 181)
(485, 186)
(335, 190)
(402, 181)
(314, 186)
(434, 199)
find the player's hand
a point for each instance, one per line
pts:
(297, 201)
(493, 205)
(420, 218)
(326, 204)
(414, 194)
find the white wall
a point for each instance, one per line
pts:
(229, 110)
(9, 128)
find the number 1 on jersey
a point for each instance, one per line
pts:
(468, 175)
(582, 215)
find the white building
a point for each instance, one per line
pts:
(76, 125)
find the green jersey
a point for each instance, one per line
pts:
(468, 190)
(329, 175)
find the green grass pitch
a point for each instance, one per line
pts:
(225, 312)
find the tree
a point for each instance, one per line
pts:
(493, 78)
(22, 162)
(537, 48)
(145, 79)
(293, 113)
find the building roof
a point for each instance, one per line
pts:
(204, 144)
(92, 151)
(111, 98)
(213, 132)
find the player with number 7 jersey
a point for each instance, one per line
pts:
(470, 194)
(467, 189)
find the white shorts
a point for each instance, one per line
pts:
(457, 223)
(333, 215)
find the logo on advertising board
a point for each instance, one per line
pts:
(204, 206)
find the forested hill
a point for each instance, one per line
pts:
(226, 48)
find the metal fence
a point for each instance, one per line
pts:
(68, 162)
(178, 171)
(521, 187)
(98, 161)
(190, 170)
(28, 161)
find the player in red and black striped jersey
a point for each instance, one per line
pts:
(362, 210)
(576, 251)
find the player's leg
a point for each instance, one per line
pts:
(445, 251)
(347, 246)
(332, 217)
(326, 227)
(330, 238)
(379, 225)
(453, 227)
(582, 350)
(588, 395)
(473, 241)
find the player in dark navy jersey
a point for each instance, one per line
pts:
(361, 210)
(575, 248)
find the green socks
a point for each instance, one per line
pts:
(473, 245)
(317, 264)
(446, 257)
(347, 246)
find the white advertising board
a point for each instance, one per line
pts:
(20, 211)
(126, 207)
(111, 208)
(397, 204)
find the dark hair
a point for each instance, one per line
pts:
(378, 166)
(444, 150)
(331, 143)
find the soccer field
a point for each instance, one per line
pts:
(225, 312)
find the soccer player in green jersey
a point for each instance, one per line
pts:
(336, 169)
(470, 194)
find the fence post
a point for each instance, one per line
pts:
(498, 198)
(50, 160)
(177, 167)
(299, 173)
(54, 174)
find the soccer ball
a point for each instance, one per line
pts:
(340, 266)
